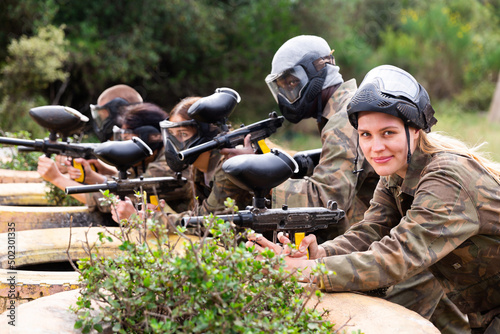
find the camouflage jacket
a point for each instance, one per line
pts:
(213, 187)
(333, 177)
(209, 191)
(179, 199)
(444, 216)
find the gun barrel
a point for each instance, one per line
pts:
(197, 221)
(90, 188)
(259, 130)
(74, 150)
(17, 142)
(128, 186)
(197, 150)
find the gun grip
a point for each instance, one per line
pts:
(153, 200)
(263, 146)
(298, 239)
(79, 166)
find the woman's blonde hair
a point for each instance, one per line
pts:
(436, 142)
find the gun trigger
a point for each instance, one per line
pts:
(263, 146)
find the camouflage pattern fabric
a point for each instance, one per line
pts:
(423, 294)
(210, 190)
(180, 199)
(443, 216)
(333, 177)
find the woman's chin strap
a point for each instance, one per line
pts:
(408, 157)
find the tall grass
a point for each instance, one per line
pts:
(471, 127)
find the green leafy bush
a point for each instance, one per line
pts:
(214, 285)
(446, 46)
(58, 197)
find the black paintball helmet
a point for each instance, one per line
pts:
(103, 128)
(208, 118)
(391, 90)
(147, 133)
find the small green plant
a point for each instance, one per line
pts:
(171, 284)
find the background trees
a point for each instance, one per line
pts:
(169, 49)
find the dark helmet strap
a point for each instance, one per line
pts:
(320, 108)
(356, 170)
(408, 157)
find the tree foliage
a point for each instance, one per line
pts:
(171, 49)
(32, 64)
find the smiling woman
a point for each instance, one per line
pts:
(434, 213)
(382, 140)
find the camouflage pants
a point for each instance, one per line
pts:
(423, 294)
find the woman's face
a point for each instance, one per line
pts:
(382, 139)
(183, 133)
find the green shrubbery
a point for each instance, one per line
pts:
(216, 285)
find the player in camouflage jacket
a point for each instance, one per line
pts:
(300, 96)
(207, 187)
(332, 178)
(306, 83)
(436, 208)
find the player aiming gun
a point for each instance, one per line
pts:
(61, 122)
(123, 155)
(261, 173)
(215, 109)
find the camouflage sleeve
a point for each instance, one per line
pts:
(222, 188)
(376, 225)
(179, 198)
(332, 178)
(159, 167)
(441, 217)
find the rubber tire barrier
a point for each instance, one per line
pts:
(23, 194)
(19, 176)
(369, 314)
(43, 217)
(48, 246)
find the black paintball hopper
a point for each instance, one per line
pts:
(123, 154)
(260, 173)
(215, 108)
(59, 120)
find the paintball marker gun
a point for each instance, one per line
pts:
(258, 131)
(212, 111)
(123, 155)
(62, 122)
(261, 173)
(306, 161)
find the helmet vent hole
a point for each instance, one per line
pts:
(364, 97)
(383, 104)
